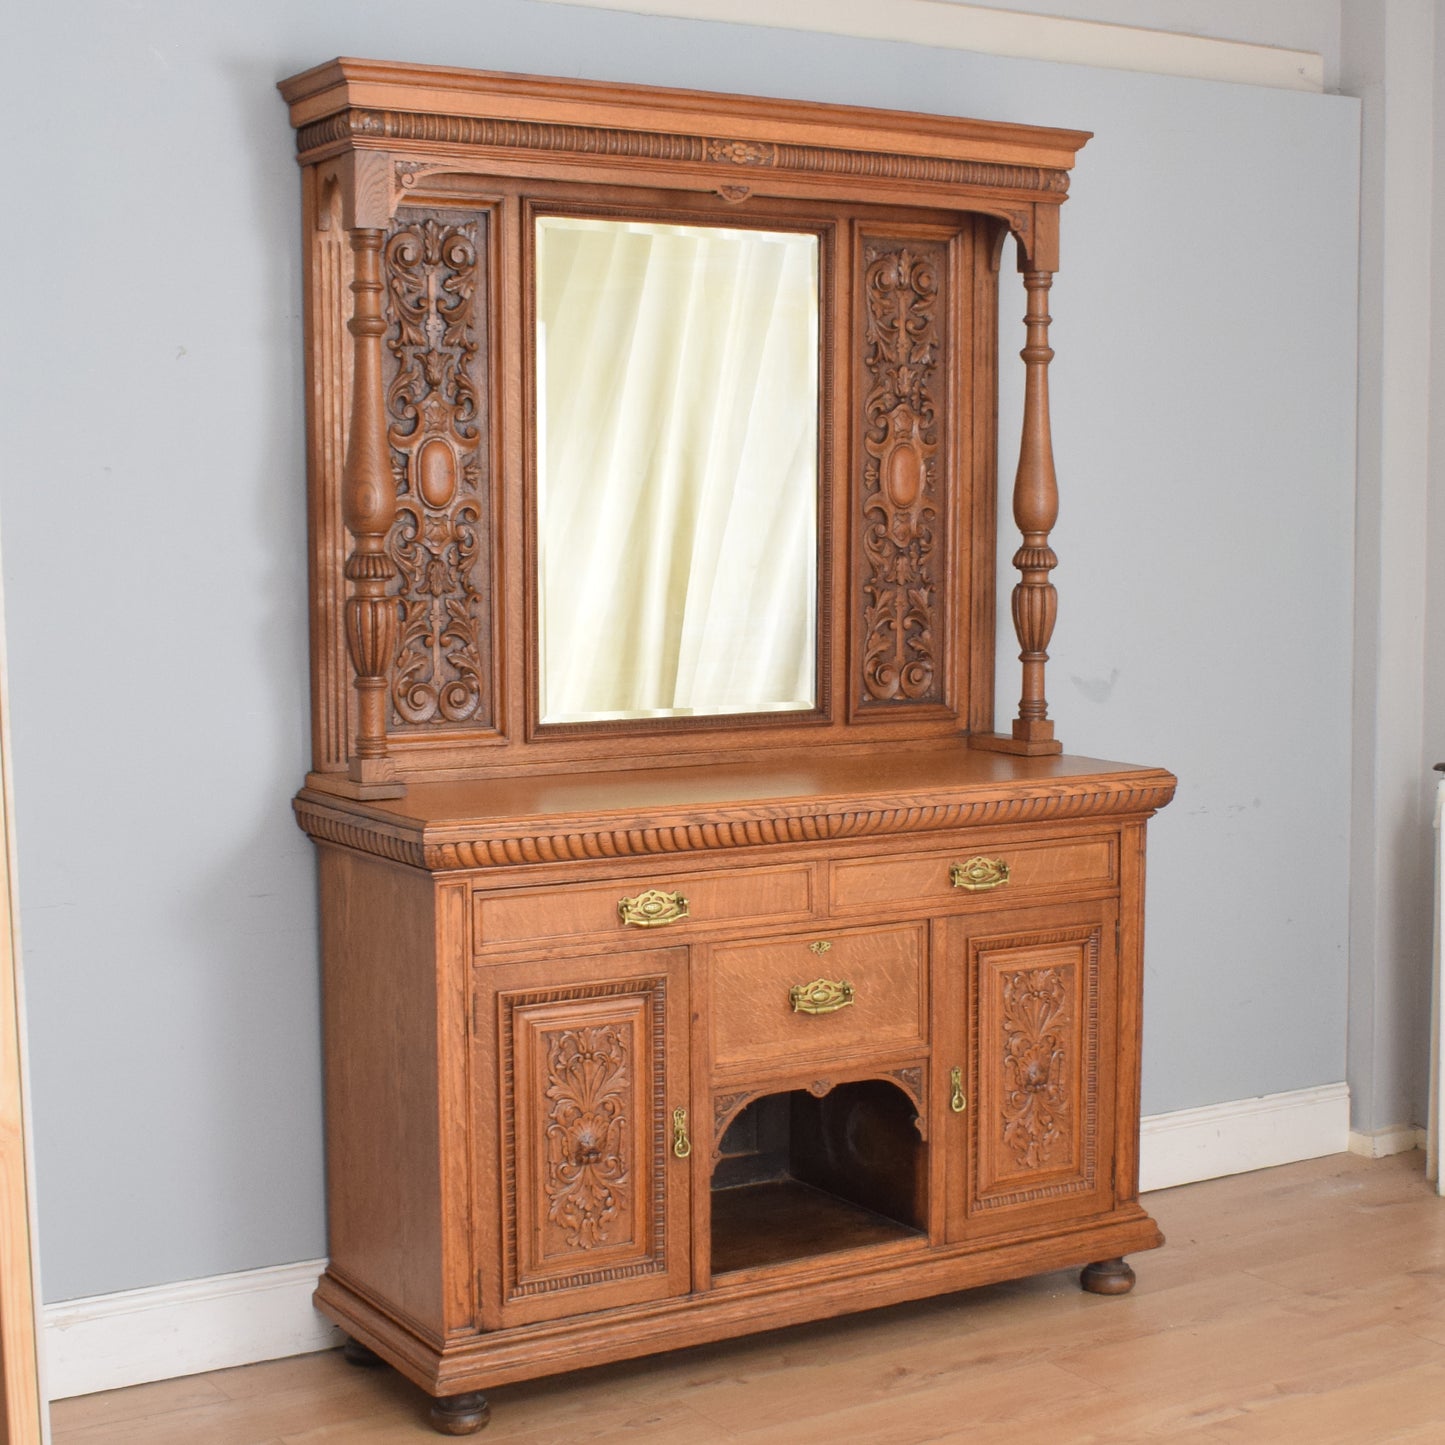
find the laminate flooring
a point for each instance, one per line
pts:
(1304, 1303)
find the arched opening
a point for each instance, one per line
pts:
(801, 1174)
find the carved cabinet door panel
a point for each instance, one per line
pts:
(586, 1067)
(1030, 1004)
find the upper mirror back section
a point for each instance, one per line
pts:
(677, 470)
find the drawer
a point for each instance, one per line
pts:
(820, 995)
(985, 873)
(522, 916)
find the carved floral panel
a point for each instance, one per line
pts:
(588, 1169)
(902, 567)
(585, 1135)
(1035, 1107)
(435, 308)
(1038, 1100)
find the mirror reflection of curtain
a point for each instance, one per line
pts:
(676, 469)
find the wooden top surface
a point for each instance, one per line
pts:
(347, 83)
(780, 780)
(780, 798)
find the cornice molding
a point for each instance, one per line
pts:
(366, 127)
(503, 844)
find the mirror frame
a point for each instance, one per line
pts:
(387, 147)
(645, 208)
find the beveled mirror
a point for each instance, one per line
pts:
(676, 469)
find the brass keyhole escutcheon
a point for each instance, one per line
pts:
(957, 1102)
(681, 1144)
(820, 947)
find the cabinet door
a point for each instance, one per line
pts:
(1030, 1007)
(590, 1063)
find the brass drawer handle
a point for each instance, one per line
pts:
(681, 1144)
(822, 996)
(956, 1101)
(978, 875)
(652, 909)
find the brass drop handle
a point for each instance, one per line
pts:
(978, 875)
(957, 1102)
(681, 1144)
(652, 909)
(822, 996)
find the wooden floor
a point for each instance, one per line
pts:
(1305, 1303)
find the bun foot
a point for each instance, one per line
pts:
(355, 1353)
(1107, 1276)
(460, 1414)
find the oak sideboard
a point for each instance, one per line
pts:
(698, 959)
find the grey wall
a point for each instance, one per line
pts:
(152, 497)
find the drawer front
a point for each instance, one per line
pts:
(669, 905)
(794, 999)
(984, 873)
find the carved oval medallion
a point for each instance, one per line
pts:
(436, 472)
(903, 474)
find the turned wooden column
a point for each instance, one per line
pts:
(1036, 509)
(369, 508)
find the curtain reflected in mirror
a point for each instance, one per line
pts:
(677, 441)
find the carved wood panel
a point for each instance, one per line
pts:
(586, 1135)
(1039, 1115)
(901, 562)
(435, 268)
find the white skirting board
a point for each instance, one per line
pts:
(109, 1341)
(138, 1335)
(1379, 1143)
(1244, 1134)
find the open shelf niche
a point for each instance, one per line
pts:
(801, 1175)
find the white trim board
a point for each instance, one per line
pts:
(109, 1341)
(1244, 1134)
(1380, 1143)
(953, 26)
(138, 1335)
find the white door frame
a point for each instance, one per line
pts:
(1437, 1010)
(24, 1419)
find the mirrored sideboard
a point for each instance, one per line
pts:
(697, 957)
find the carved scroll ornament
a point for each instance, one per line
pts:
(903, 559)
(434, 430)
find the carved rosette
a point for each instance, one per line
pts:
(903, 526)
(435, 430)
(1035, 1104)
(586, 1175)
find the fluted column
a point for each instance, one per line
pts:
(369, 508)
